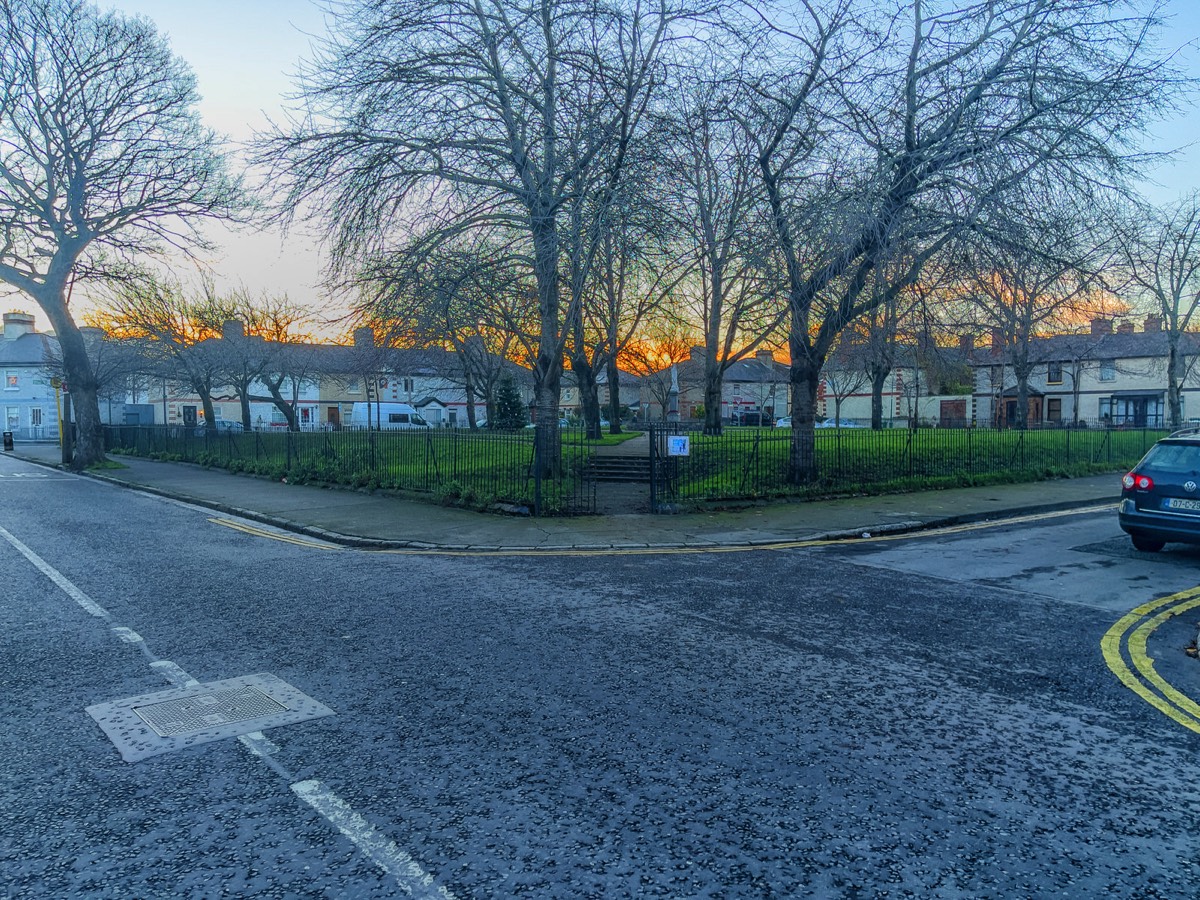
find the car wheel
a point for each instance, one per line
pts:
(1146, 544)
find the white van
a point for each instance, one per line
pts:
(386, 416)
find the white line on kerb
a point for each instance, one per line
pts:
(174, 674)
(411, 878)
(88, 604)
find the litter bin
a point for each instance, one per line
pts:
(8, 440)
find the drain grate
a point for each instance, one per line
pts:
(172, 717)
(168, 720)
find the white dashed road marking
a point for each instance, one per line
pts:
(409, 876)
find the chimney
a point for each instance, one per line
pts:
(17, 324)
(765, 357)
(997, 341)
(1153, 324)
(233, 330)
(1101, 326)
(1125, 328)
(364, 337)
(966, 344)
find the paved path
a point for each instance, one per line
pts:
(379, 519)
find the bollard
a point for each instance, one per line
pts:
(8, 440)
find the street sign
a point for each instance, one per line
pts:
(679, 445)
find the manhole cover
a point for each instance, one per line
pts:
(168, 720)
(172, 717)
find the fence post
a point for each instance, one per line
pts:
(653, 472)
(537, 476)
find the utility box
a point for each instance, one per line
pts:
(8, 440)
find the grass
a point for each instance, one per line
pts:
(753, 463)
(481, 469)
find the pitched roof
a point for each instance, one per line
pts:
(33, 349)
(1070, 347)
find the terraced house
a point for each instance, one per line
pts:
(27, 398)
(1106, 376)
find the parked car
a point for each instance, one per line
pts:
(1160, 497)
(783, 422)
(837, 423)
(751, 419)
(223, 426)
(386, 416)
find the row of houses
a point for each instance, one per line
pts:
(1107, 375)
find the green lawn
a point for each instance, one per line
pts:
(478, 469)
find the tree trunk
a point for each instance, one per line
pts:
(244, 398)
(614, 397)
(88, 446)
(1174, 395)
(288, 410)
(712, 396)
(547, 435)
(802, 461)
(210, 415)
(878, 380)
(548, 366)
(589, 395)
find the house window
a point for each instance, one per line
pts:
(408, 385)
(1054, 373)
(35, 417)
(11, 381)
(353, 386)
(1108, 370)
(12, 418)
(1054, 409)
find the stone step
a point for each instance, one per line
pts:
(619, 468)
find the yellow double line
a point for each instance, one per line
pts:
(1139, 674)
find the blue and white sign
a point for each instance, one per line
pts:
(678, 445)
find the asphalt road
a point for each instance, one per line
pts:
(924, 717)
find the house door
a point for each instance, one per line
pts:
(1137, 412)
(953, 413)
(189, 417)
(334, 417)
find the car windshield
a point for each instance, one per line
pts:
(417, 420)
(1179, 458)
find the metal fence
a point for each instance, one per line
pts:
(472, 468)
(744, 463)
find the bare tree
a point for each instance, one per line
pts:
(848, 367)
(293, 365)
(715, 195)
(911, 125)
(1160, 250)
(1028, 279)
(260, 327)
(479, 110)
(102, 155)
(652, 358)
(471, 295)
(178, 328)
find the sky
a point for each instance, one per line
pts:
(243, 53)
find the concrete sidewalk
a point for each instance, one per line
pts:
(376, 520)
